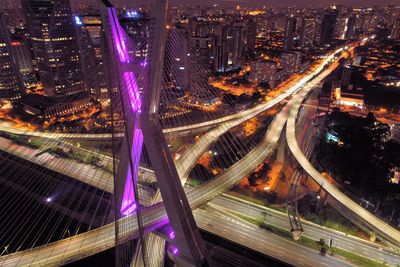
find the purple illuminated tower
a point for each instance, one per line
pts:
(133, 105)
(139, 85)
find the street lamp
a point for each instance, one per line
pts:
(316, 210)
(5, 250)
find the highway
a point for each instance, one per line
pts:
(314, 231)
(250, 236)
(11, 128)
(358, 212)
(102, 238)
(197, 197)
(186, 162)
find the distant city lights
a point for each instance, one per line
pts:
(132, 14)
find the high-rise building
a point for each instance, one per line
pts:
(346, 76)
(199, 27)
(340, 28)
(55, 46)
(263, 71)
(88, 59)
(199, 66)
(176, 66)
(350, 27)
(23, 54)
(328, 25)
(237, 42)
(346, 26)
(136, 27)
(291, 62)
(395, 34)
(93, 26)
(308, 33)
(290, 33)
(220, 60)
(10, 86)
(251, 35)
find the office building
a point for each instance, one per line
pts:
(328, 25)
(291, 62)
(88, 60)
(92, 25)
(176, 66)
(251, 35)
(308, 32)
(23, 54)
(10, 85)
(220, 56)
(346, 76)
(237, 42)
(395, 34)
(52, 31)
(263, 71)
(290, 33)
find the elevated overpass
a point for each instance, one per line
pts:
(352, 209)
(197, 197)
(100, 239)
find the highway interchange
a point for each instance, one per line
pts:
(197, 197)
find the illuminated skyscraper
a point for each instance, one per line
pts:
(237, 43)
(346, 76)
(21, 50)
(251, 35)
(291, 62)
(345, 28)
(263, 71)
(10, 87)
(220, 62)
(395, 34)
(53, 35)
(328, 25)
(176, 66)
(91, 40)
(308, 32)
(290, 33)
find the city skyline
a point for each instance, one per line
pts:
(273, 3)
(308, 3)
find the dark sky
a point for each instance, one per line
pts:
(262, 2)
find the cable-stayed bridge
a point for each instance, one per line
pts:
(138, 213)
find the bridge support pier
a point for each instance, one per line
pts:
(281, 151)
(296, 234)
(372, 238)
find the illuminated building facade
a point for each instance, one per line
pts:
(220, 62)
(10, 87)
(291, 62)
(91, 41)
(22, 52)
(328, 25)
(53, 36)
(175, 67)
(251, 35)
(90, 66)
(237, 43)
(395, 34)
(290, 33)
(263, 71)
(308, 32)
